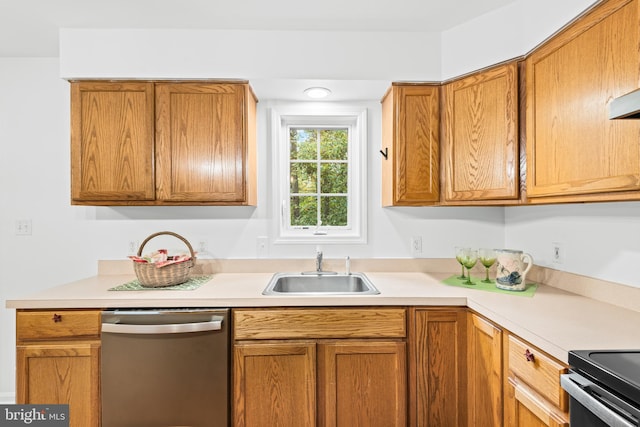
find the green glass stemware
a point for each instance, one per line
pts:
(487, 258)
(459, 255)
(469, 260)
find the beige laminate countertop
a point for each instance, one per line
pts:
(554, 320)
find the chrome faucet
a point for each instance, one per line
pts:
(318, 261)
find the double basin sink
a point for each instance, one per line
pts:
(320, 283)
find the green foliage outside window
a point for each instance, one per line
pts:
(319, 176)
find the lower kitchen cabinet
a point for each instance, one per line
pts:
(437, 367)
(362, 383)
(320, 366)
(326, 367)
(533, 397)
(484, 373)
(58, 362)
(275, 384)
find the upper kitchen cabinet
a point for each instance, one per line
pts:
(163, 143)
(202, 142)
(480, 138)
(112, 146)
(574, 152)
(410, 143)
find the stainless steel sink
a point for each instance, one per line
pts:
(320, 284)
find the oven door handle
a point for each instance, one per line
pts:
(576, 384)
(169, 328)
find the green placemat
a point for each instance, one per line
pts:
(189, 285)
(489, 287)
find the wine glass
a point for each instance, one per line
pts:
(487, 257)
(459, 254)
(469, 260)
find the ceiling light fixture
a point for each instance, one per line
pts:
(317, 92)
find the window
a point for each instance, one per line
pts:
(321, 175)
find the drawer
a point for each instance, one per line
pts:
(319, 323)
(37, 325)
(538, 371)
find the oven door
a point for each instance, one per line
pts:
(593, 406)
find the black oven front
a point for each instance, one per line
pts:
(603, 388)
(591, 405)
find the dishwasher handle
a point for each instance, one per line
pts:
(169, 328)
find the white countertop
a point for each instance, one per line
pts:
(554, 320)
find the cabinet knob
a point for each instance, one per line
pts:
(57, 318)
(529, 356)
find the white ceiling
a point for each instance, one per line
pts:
(30, 27)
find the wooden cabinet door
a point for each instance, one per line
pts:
(362, 384)
(274, 384)
(574, 152)
(410, 138)
(112, 141)
(480, 143)
(485, 375)
(62, 373)
(530, 410)
(437, 368)
(201, 142)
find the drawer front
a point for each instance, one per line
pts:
(36, 325)
(319, 323)
(529, 404)
(538, 371)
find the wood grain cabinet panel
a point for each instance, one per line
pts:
(275, 323)
(274, 384)
(574, 152)
(58, 361)
(45, 324)
(485, 373)
(362, 384)
(530, 409)
(163, 143)
(411, 141)
(533, 394)
(112, 141)
(310, 366)
(201, 141)
(480, 136)
(437, 367)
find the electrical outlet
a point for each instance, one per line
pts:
(557, 253)
(203, 246)
(416, 245)
(23, 227)
(133, 247)
(262, 246)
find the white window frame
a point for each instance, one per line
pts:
(301, 115)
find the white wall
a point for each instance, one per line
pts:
(250, 55)
(600, 240)
(505, 33)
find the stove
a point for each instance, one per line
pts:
(604, 387)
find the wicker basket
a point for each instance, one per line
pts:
(151, 276)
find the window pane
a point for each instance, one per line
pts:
(303, 144)
(333, 177)
(333, 210)
(303, 177)
(334, 144)
(304, 211)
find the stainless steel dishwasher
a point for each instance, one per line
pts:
(165, 367)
